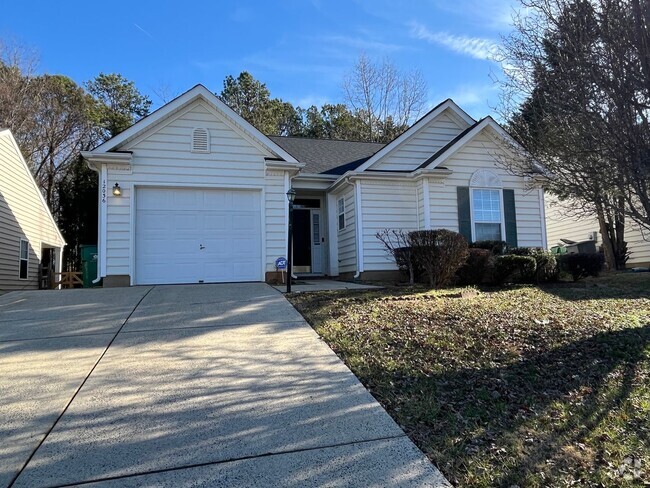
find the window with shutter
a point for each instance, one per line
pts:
(486, 212)
(200, 140)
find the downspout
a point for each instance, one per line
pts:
(99, 221)
(359, 225)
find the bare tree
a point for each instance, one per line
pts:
(397, 243)
(388, 100)
(19, 94)
(577, 96)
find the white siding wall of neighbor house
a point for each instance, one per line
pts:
(22, 215)
(386, 204)
(347, 241)
(162, 157)
(560, 225)
(422, 145)
(479, 153)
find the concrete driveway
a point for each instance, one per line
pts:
(207, 385)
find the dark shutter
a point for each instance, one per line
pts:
(464, 213)
(511, 217)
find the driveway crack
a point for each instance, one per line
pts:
(74, 395)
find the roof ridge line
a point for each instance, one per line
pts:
(325, 139)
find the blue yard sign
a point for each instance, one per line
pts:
(281, 263)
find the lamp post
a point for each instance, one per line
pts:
(291, 196)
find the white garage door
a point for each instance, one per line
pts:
(197, 236)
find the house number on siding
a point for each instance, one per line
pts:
(104, 191)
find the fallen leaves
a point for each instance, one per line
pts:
(525, 386)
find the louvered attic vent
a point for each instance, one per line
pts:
(200, 140)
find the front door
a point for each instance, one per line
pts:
(301, 240)
(316, 242)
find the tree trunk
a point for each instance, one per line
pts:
(608, 248)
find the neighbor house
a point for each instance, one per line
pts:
(194, 193)
(31, 245)
(561, 224)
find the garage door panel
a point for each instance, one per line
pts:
(221, 200)
(226, 223)
(244, 221)
(247, 270)
(217, 222)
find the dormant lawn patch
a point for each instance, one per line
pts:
(520, 386)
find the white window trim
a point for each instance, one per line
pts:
(20, 258)
(192, 149)
(471, 210)
(339, 213)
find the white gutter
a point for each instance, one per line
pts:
(99, 221)
(415, 175)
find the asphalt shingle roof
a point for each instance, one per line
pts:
(327, 156)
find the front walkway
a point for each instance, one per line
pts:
(207, 385)
(305, 285)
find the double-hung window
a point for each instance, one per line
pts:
(487, 215)
(23, 263)
(340, 205)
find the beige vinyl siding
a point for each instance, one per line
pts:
(162, 156)
(387, 204)
(347, 238)
(421, 145)
(22, 215)
(561, 224)
(479, 153)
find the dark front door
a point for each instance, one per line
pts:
(301, 240)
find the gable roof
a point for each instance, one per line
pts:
(167, 110)
(327, 156)
(463, 138)
(448, 104)
(12, 140)
(450, 144)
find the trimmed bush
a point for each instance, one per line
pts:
(547, 266)
(514, 268)
(498, 248)
(476, 267)
(581, 265)
(439, 253)
(522, 251)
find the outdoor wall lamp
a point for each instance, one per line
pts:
(291, 196)
(117, 191)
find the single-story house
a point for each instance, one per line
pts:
(194, 193)
(31, 245)
(561, 223)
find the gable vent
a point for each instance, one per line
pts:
(200, 140)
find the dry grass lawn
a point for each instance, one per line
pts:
(523, 386)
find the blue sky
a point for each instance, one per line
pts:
(300, 48)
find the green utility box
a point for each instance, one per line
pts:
(88, 264)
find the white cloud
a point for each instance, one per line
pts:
(475, 47)
(360, 43)
(491, 14)
(476, 98)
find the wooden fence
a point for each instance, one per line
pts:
(67, 279)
